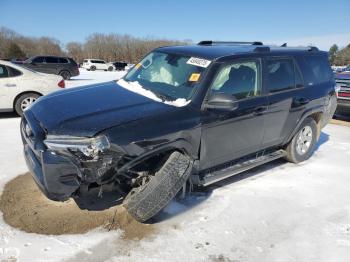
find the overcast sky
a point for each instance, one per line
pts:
(297, 22)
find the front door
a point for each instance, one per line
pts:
(228, 135)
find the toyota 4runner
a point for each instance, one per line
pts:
(184, 116)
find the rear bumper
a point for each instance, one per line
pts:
(56, 176)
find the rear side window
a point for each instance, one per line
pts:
(51, 60)
(3, 71)
(86, 61)
(62, 60)
(13, 72)
(318, 69)
(280, 74)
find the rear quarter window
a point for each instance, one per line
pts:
(13, 72)
(316, 69)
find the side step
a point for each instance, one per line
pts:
(215, 176)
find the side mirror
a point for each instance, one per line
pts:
(221, 101)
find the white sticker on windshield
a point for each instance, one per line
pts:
(198, 62)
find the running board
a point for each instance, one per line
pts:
(215, 176)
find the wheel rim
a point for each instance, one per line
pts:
(304, 140)
(27, 102)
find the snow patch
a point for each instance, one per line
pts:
(138, 89)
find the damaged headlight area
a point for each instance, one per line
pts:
(89, 147)
(93, 156)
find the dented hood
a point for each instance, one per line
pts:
(85, 111)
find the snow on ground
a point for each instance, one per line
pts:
(278, 212)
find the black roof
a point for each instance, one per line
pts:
(216, 51)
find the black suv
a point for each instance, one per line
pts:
(63, 66)
(182, 118)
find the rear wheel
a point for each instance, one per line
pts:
(301, 147)
(93, 68)
(110, 68)
(65, 74)
(156, 191)
(24, 101)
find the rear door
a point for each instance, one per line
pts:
(287, 98)
(228, 135)
(52, 65)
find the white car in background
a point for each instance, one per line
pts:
(20, 87)
(97, 64)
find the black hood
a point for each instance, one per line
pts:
(88, 110)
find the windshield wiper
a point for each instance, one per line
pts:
(162, 96)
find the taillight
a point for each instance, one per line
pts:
(61, 84)
(344, 94)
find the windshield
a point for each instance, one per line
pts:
(169, 76)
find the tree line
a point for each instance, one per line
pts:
(109, 47)
(339, 57)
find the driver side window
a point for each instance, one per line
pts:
(241, 79)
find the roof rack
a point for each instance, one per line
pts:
(308, 48)
(210, 42)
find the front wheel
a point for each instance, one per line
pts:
(157, 190)
(24, 101)
(301, 147)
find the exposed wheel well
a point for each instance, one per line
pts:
(155, 160)
(23, 93)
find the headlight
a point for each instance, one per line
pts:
(90, 147)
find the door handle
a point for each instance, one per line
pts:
(301, 101)
(10, 85)
(260, 110)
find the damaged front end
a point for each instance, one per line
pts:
(67, 166)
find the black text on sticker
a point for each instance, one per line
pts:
(198, 62)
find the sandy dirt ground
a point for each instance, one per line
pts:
(26, 208)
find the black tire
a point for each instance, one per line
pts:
(293, 150)
(146, 201)
(110, 68)
(93, 68)
(21, 99)
(65, 74)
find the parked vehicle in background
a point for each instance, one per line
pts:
(119, 66)
(20, 86)
(183, 116)
(97, 64)
(343, 86)
(63, 66)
